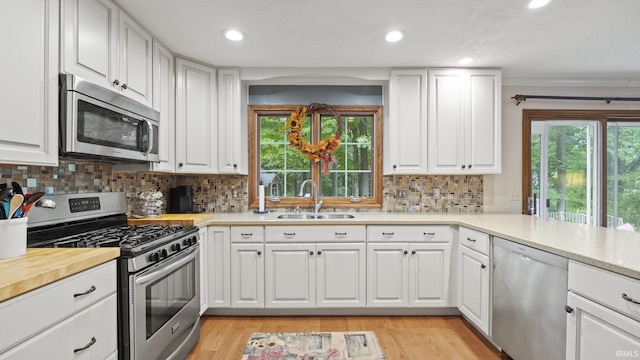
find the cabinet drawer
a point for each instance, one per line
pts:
(98, 322)
(475, 240)
(25, 315)
(344, 233)
(247, 234)
(607, 288)
(409, 233)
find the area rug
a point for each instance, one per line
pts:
(353, 345)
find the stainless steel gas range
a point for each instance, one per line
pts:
(158, 270)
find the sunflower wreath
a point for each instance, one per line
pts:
(323, 151)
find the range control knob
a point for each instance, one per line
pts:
(154, 257)
(175, 247)
(164, 253)
(186, 242)
(193, 240)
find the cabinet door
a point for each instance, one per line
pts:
(204, 293)
(90, 30)
(340, 275)
(135, 60)
(247, 275)
(164, 102)
(230, 157)
(407, 125)
(29, 100)
(290, 276)
(429, 269)
(483, 137)
(596, 332)
(446, 121)
(196, 132)
(387, 270)
(474, 287)
(218, 266)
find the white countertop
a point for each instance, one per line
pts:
(614, 250)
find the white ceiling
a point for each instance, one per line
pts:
(571, 39)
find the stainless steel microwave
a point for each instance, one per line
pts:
(102, 124)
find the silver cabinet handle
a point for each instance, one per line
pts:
(93, 341)
(629, 299)
(91, 289)
(470, 239)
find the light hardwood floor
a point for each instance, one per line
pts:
(401, 337)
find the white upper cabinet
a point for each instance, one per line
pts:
(164, 102)
(104, 45)
(465, 121)
(196, 130)
(29, 101)
(230, 157)
(407, 125)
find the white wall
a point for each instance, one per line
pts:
(498, 188)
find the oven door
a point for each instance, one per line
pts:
(166, 303)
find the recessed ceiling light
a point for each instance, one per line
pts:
(466, 60)
(233, 35)
(393, 36)
(534, 4)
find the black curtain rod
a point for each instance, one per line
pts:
(521, 98)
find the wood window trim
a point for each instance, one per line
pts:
(375, 202)
(602, 116)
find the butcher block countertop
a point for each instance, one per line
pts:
(42, 266)
(172, 219)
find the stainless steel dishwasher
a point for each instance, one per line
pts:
(528, 300)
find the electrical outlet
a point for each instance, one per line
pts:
(515, 196)
(436, 194)
(402, 194)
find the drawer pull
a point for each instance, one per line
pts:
(289, 234)
(246, 234)
(430, 234)
(387, 234)
(470, 239)
(341, 234)
(568, 309)
(93, 341)
(91, 289)
(629, 299)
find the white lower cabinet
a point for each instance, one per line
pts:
(247, 275)
(289, 276)
(90, 334)
(474, 287)
(69, 319)
(406, 274)
(315, 266)
(218, 268)
(603, 314)
(408, 266)
(203, 270)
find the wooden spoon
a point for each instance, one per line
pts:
(16, 203)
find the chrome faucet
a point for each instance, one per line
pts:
(316, 204)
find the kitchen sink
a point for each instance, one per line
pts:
(315, 216)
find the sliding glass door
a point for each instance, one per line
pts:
(623, 174)
(564, 168)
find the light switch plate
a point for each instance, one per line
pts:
(402, 194)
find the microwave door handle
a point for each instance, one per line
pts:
(150, 135)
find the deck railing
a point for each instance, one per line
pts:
(580, 218)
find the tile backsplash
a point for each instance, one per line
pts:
(228, 193)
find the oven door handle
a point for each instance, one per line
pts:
(163, 270)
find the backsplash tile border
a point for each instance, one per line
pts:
(228, 193)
